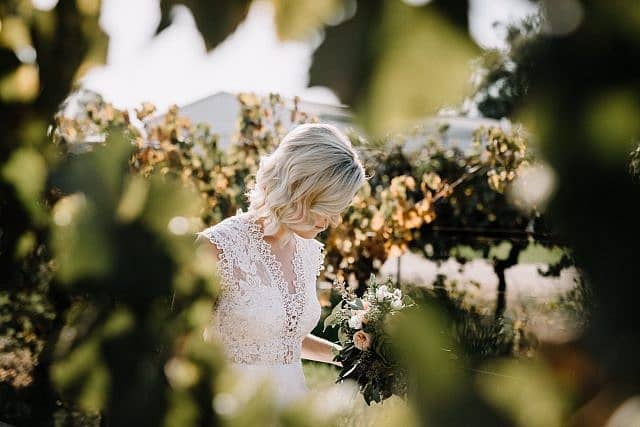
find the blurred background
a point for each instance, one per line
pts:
(502, 142)
(175, 67)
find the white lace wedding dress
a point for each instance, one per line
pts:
(261, 318)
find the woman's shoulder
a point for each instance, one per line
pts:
(314, 246)
(315, 256)
(230, 228)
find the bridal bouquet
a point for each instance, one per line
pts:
(363, 330)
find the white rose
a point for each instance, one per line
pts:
(396, 304)
(355, 322)
(381, 293)
(397, 293)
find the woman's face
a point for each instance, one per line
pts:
(320, 223)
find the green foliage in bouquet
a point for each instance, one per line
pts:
(367, 353)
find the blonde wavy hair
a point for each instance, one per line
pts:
(314, 170)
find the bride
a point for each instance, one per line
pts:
(268, 259)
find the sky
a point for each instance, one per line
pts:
(175, 68)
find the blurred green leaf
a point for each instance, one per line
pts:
(525, 391)
(299, 19)
(100, 174)
(84, 371)
(25, 245)
(613, 126)
(418, 48)
(584, 121)
(182, 410)
(21, 85)
(500, 251)
(80, 243)
(466, 252)
(428, 354)
(15, 32)
(215, 19)
(344, 60)
(536, 253)
(95, 389)
(181, 373)
(120, 320)
(133, 198)
(170, 206)
(27, 171)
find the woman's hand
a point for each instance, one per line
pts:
(319, 350)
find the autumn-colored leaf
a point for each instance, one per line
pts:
(432, 180)
(145, 110)
(377, 222)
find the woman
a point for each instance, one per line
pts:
(269, 260)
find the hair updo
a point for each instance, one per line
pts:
(314, 170)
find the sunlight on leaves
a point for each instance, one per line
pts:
(181, 373)
(168, 200)
(428, 354)
(83, 367)
(613, 125)
(21, 85)
(235, 391)
(26, 245)
(27, 171)
(94, 391)
(535, 253)
(133, 198)
(299, 19)
(465, 252)
(14, 33)
(500, 251)
(526, 392)
(182, 410)
(81, 246)
(533, 187)
(120, 321)
(418, 47)
(88, 7)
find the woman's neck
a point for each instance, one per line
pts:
(280, 238)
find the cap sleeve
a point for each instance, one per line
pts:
(317, 254)
(224, 238)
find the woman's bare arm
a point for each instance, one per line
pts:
(202, 240)
(319, 349)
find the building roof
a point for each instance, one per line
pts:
(221, 112)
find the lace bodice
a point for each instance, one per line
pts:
(258, 318)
